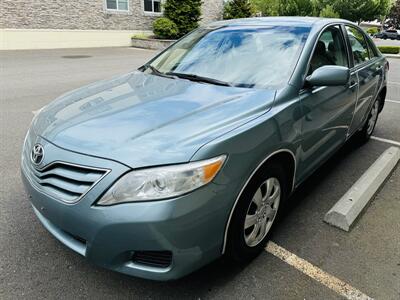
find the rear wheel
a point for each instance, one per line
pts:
(366, 132)
(256, 212)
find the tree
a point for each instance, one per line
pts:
(236, 9)
(296, 8)
(360, 10)
(328, 12)
(186, 14)
(394, 14)
(266, 7)
(383, 9)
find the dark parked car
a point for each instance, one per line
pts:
(160, 171)
(392, 34)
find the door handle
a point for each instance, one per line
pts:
(353, 83)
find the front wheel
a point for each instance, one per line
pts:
(255, 213)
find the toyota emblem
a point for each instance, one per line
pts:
(37, 154)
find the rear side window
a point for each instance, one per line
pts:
(358, 45)
(329, 50)
(372, 52)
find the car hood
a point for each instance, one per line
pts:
(146, 120)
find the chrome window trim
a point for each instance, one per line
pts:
(106, 172)
(247, 182)
(363, 65)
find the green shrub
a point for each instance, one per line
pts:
(186, 14)
(236, 9)
(389, 49)
(165, 28)
(372, 30)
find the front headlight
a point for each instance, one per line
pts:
(162, 182)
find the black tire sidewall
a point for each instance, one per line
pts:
(365, 135)
(237, 248)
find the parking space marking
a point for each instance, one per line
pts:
(393, 82)
(385, 140)
(393, 101)
(330, 281)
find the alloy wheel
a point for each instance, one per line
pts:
(262, 211)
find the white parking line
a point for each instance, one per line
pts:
(385, 140)
(331, 282)
(393, 101)
(393, 82)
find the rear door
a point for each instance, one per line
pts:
(368, 68)
(328, 110)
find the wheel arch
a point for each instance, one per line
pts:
(287, 159)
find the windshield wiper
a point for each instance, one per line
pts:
(198, 78)
(158, 72)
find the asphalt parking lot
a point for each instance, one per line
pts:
(35, 265)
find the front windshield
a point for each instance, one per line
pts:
(245, 56)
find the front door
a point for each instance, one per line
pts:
(328, 110)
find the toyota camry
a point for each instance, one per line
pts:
(192, 156)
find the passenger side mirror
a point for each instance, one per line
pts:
(329, 76)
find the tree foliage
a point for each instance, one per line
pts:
(328, 12)
(186, 14)
(394, 14)
(235, 9)
(359, 10)
(295, 8)
(165, 28)
(353, 10)
(266, 7)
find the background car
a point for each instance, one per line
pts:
(392, 34)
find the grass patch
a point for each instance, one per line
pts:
(142, 36)
(389, 49)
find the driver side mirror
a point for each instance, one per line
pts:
(329, 76)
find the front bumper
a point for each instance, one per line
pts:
(191, 226)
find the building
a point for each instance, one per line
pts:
(41, 24)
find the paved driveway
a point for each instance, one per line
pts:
(34, 265)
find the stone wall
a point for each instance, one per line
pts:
(212, 10)
(84, 15)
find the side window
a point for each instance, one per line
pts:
(329, 50)
(358, 45)
(371, 50)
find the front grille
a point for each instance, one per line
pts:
(158, 259)
(63, 181)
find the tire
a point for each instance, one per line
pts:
(366, 132)
(240, 246)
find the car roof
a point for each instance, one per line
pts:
(280, 21)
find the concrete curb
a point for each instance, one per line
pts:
(347, 209)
